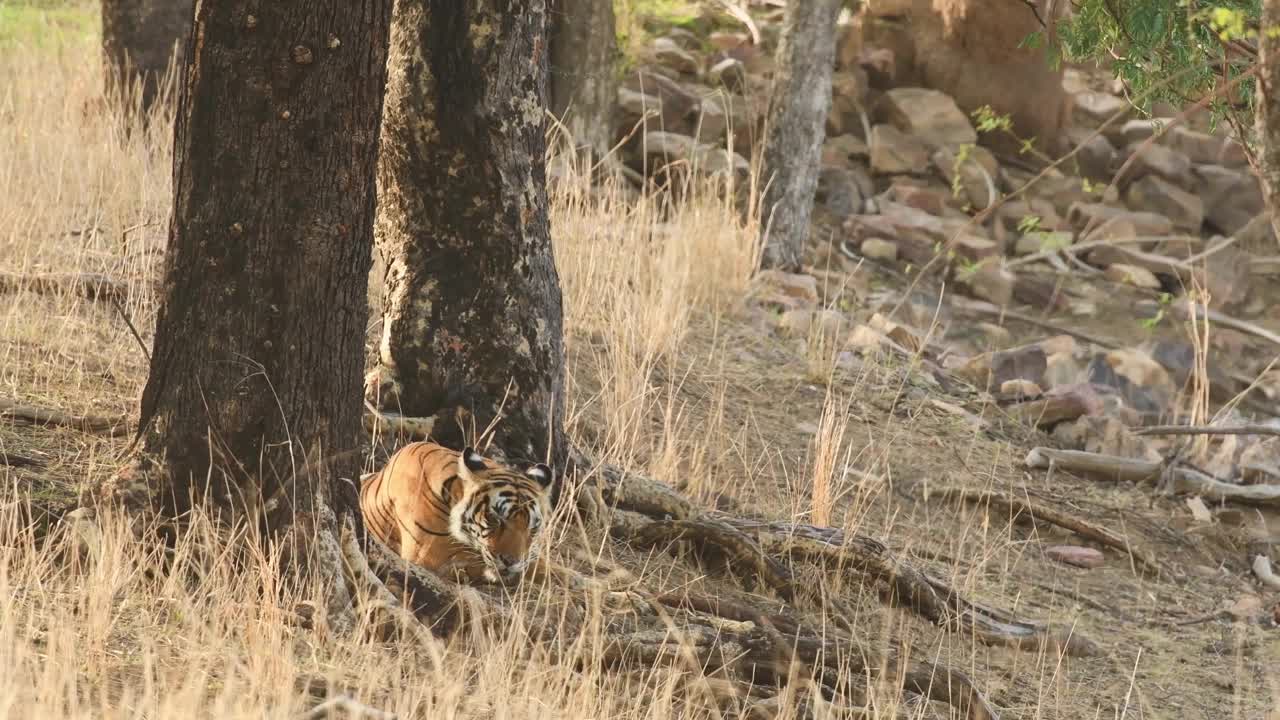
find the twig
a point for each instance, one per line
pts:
(129, 321)
(1080, 526)
(1206, 430)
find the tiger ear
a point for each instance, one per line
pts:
(469, 461)
(540, 473)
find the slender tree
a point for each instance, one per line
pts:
(471, 305)
(139, 40)
(1268, 107)
(584, 84)
(798, 106)
(259, 342)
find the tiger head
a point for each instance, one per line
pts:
(499, 514)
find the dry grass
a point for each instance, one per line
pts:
(674, 372)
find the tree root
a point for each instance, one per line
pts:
(1080, 526)
(110, 426)
(907, 587)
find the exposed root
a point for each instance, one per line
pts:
(1078, 525)
(707, 533)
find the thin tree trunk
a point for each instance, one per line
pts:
(584, 84)
(471, 307)
(139, 39)
(259, 342)
(1268, 103)
(798, 106)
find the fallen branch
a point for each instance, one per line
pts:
(110, 426)
(1078, 525)
(89, 286)
(1207, 430)
(13, 459)
(1110, 467)
(1194, 482)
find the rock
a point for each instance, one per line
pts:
(879, 249)
(1233, 155)
(994, 336)
(669, 53)
(845, 149)
(1153, 193)
(1035, 242)
(1143, 383)
(1257, 234)
(848, 97)
(1059, 404)
(1200, 148)
(1020, 389)
(900, 334)
(712, 121)
(1062, 369)
(1095, 108)
(1061, 191)
(1260, 462)
(1133, 275)
(729, 72)
(1231, 197)
(895, 153)
(927, 114)
(838, 191)
(880, 66)
(994, 369)
(974, 248)
(1136, 131)
(1104, 435)
(1158, 160)
(1076, 555)
(977, 173)
(802, 322)
(932, 200)
(686, 39)
(663, 148)
(1096, 156)
(648, 90)
(793, 285)
(1227, 276)
(1128, 225)
(989, 281)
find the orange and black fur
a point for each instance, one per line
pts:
(457, 512)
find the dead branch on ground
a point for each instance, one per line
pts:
(90, 286)
(1078, 525)
(1207, 430)
(1110, 467)
(31, 415)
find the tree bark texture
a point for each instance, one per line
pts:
(139, 39)
(472, 309)
(584, 86)
(260, 337)
(1268, 108)
(798, 106)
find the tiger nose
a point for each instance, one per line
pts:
(506, 562)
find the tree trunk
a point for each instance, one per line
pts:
(260, 338)
(471, 307)
(798, 106)
(139, 38)
(584, 85)
(1268, 103)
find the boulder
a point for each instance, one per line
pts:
(1095, 156)
(1159, 160)
(729, 72)
(838, 191)
(1200, 148)
(663, 148)
(974, 52)
(1094, 108)
(894, 152)
(929, 115)
(1231, 197)
(989, 281)
(1082, 557)
(848, 97)
(879, 249)
(667, 52)
(977, 173)
(1133, 275)
(1154, 193)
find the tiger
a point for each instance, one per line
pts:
(458, 514)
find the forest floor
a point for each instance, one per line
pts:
(677, 369)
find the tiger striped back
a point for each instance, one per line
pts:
(456, 512)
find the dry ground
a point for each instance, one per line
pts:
(675, 370)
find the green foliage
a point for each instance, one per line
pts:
(1164, 49)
